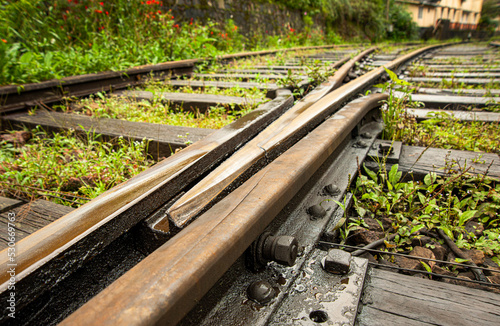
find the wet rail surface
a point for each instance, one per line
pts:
(167, 283)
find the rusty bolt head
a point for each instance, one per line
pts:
(261, 292)
(332, 189)
(316, 211)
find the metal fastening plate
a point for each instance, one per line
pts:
(322, 297)
(392, 157)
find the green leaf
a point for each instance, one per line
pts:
(370, 173)
(422, 198)
(465, 216)
(416, 228)
(26, 58)
(427, 267)
(461, 260)
(430, 178)
(394, 175)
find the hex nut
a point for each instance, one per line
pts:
(337, 261)
(285, 249)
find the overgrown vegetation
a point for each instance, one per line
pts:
(68, 169)
(41, 40)
(441, 130)
(462, 205)
(448, 204)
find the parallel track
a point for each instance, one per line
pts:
(167, 284)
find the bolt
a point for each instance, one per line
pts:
(261, 292)
(385, 149)
(337, 261)
(316, 211)
(332, 189)
(360, 144)
(281, 249)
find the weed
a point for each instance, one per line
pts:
(447, 203)
(69, 166)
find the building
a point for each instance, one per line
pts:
(433, 16)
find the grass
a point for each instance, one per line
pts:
(443, 131)
(68, 169)
(440, 131)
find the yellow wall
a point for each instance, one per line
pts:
(457, 11)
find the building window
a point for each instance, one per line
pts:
(428, 10)
(465, 17)
(420, 12)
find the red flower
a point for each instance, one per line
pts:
(5, 41)
(176, 25)
(159, 12)
(107, 13)
(101, 3)
(98, 11)
(292, 30)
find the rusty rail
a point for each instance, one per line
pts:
(168, 283)
(261, 146)
(84, 232)
(163, 287)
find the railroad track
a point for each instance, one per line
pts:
(173, 239)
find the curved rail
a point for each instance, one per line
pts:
(278, 132)
(164, 286)
(134, 200)
(169, 282)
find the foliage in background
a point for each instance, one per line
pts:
(489, 15)
(41, 40)
(67, 169)
(365, 18)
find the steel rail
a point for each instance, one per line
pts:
(278, 132)
(168, 283)
(130, 202)
(174, 172)
(164, 286)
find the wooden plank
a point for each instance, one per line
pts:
(449, 101)
(444, 91)
(190, 101)
(164, 139)
(31, 217)
(423, 114)
(245, 77)
(468, 67)
(8, 203)
(471, 81)
(195, 84)
(421, 160)
(464, 74)
(391, 295)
